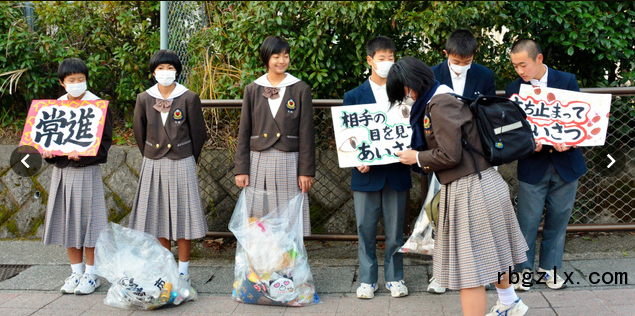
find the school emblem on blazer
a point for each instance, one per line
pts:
(178, 115)
(291, 105)
(426, 123)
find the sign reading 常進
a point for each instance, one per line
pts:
(64, 126)
(563, 116)
(370, 137)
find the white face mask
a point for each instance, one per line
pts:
(408, 100)
(460, 69)
(382, 68)
(165, 77)
(76, 89)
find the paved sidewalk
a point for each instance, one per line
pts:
(35, 291)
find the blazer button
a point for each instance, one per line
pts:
(278, 134)
(157, 145)
(169, 145)
(265, 135)
(550, 150)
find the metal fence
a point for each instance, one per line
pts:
(184, 18)
(605, 200)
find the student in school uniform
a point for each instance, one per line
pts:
(76, 209)
(170, 132)
(379, 190)
(460, 72)
(478, 238)
(276, 137)
(466, 78)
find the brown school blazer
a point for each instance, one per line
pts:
(450, 120)
(292, 129)
(182, 136)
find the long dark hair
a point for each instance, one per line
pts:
(408, 72)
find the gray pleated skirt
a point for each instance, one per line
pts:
(478, 235)
(76, 209)
(276, 172)
(167, 203)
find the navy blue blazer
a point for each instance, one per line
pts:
(396, 174)
(479, 80)
(569, 164)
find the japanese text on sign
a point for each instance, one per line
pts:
(369, 137)
(65, 126)
(562, 116)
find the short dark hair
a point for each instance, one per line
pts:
(527, 45)
(166, 56)
(273, 45)
(71, 66)
(408, 72)
(462, 43)
(379, 43)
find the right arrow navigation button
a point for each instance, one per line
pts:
(612, 161)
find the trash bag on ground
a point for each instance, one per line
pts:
(271, 265)
(143, 274)
(421, 240)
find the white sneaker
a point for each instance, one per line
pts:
(517, 309)
(185, 277)
(397, 288)
(366, 290)
(519, 286)
(71, 283)
(434, 287)
(553, 281)
(87, 284)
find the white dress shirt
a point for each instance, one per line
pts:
(381, 96)
(543, 81)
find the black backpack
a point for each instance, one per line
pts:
(502, 124)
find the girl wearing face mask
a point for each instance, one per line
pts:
(478, 239)
(76, 209)
(170, 132)
(276, 138)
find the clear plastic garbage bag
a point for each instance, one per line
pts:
(143, 274)
(271, 265)
(421, 240)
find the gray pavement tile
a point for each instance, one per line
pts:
(590, 310)
(32, 252)
(82, 302)
(415, 302)
(568, 298)
(38, 278)
(259, 309)
(213, 280)
(541, 312)
(14, 311)
(533, 299)
(166, 310)
(594, 270)
(612, 297)
(336, 279)
(349, 303)
(7, 297)
(328, 305)
(58, 312)
(32, 300)
(211, 304)
(619, 310)
(119, 312)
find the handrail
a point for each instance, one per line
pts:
(327, 103)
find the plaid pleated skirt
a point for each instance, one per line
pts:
(167, 203)
(478, 235)
(76, 209)
(276, 172)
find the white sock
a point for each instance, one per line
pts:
(183, 267)
(90, 269)
(78, 268)
(507, 296)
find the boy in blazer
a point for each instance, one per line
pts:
(379, 189)
(549, 177)
(459, 72)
